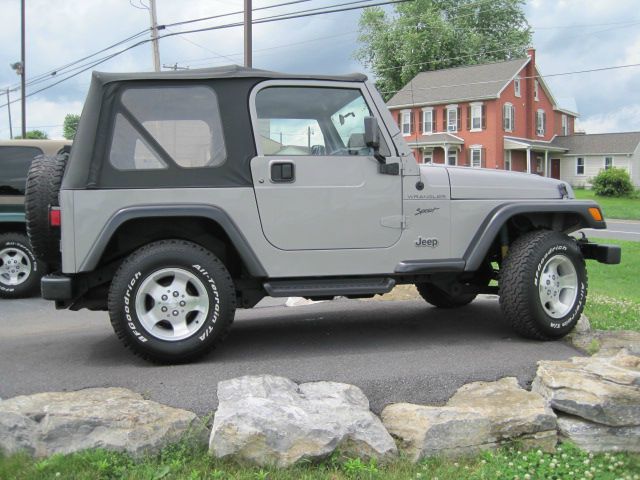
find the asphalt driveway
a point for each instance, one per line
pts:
(394, 351)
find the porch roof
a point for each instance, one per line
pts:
(516, 143)
(436, 140)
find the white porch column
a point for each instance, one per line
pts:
(546, 163)
(528, 160)
(445, 147)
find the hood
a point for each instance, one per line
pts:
(480, 183)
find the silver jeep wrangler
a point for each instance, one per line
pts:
(188, 194)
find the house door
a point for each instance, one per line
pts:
(555, 168)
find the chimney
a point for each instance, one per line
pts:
(531, 52)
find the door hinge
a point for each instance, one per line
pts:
(394, 221)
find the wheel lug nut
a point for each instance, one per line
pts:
(183, 303)
(163, 309)
(175, 313)
(176, 294)
(165, 298)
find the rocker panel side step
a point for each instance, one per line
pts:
(327, 287)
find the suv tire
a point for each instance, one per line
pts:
(543, 285)
(172, 301)
(20, 271)
(43, 188)
(441, 299)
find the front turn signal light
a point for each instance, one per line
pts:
(596, 213)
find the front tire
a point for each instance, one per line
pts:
(172, 301)
(20, 271)
(439, 298)
(543, 285)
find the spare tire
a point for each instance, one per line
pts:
(42, 191)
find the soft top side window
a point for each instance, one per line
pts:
(156, 127)
(309, 121)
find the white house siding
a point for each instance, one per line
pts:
(635, 167)
(592, 166)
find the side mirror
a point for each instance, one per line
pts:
(371, 133)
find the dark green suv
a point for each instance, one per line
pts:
(20, 271)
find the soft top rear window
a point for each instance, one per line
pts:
(159, 126)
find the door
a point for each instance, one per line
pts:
(555, 168)
(317, 185)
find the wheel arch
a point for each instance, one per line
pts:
(563, 216)
(211, 224)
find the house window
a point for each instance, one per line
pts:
(508, 113)
(516, 86)
(608, 163)
(476, 117)
(565, 125)
(579, 166)
(507, 159)
(427, 156)
(405, 118)
(541, 120)
(476, 157)
(452, 157)
(452, 119)
(427, 120)
(536, 87)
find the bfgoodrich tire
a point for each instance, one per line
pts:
(20, 271)
(441, 299)
(543, 285)
(172, 301)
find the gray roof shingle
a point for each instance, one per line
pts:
(599, 143)
(458, 84)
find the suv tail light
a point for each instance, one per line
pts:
(55, 219)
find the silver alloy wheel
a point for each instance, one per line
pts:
(172, 304)
(15, 266)
(558, 286)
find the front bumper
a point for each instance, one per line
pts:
(609, 254)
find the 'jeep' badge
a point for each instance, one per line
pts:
(427, 242)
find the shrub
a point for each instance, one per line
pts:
(614, 182)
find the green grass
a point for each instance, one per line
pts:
(621, 208)
(613, 302)
(183, 461)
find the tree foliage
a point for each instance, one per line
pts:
(34, 135)
(70, 126)
(434, 34)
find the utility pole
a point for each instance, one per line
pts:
(154, 35)
(247, 34)
(9, 110)
(22, 73)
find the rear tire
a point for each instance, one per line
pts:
(441, 299)
(20, 271)
(172, 301)
(543, 285)
(42, 191)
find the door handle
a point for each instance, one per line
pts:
(283, 172)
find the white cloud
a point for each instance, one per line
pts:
(622, 120)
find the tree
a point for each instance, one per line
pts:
(427, 35)
(70, 125)
(35, 135)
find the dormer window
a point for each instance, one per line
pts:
(516, 86)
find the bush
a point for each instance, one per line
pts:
(614, 182)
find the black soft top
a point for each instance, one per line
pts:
(227, 71)
(88, 167)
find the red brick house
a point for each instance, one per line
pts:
(498, 115)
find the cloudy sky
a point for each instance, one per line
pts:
(570, 35)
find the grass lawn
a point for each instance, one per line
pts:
(184, 462)
(622, 208)
(613, 302)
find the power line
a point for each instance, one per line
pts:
(216, 27)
